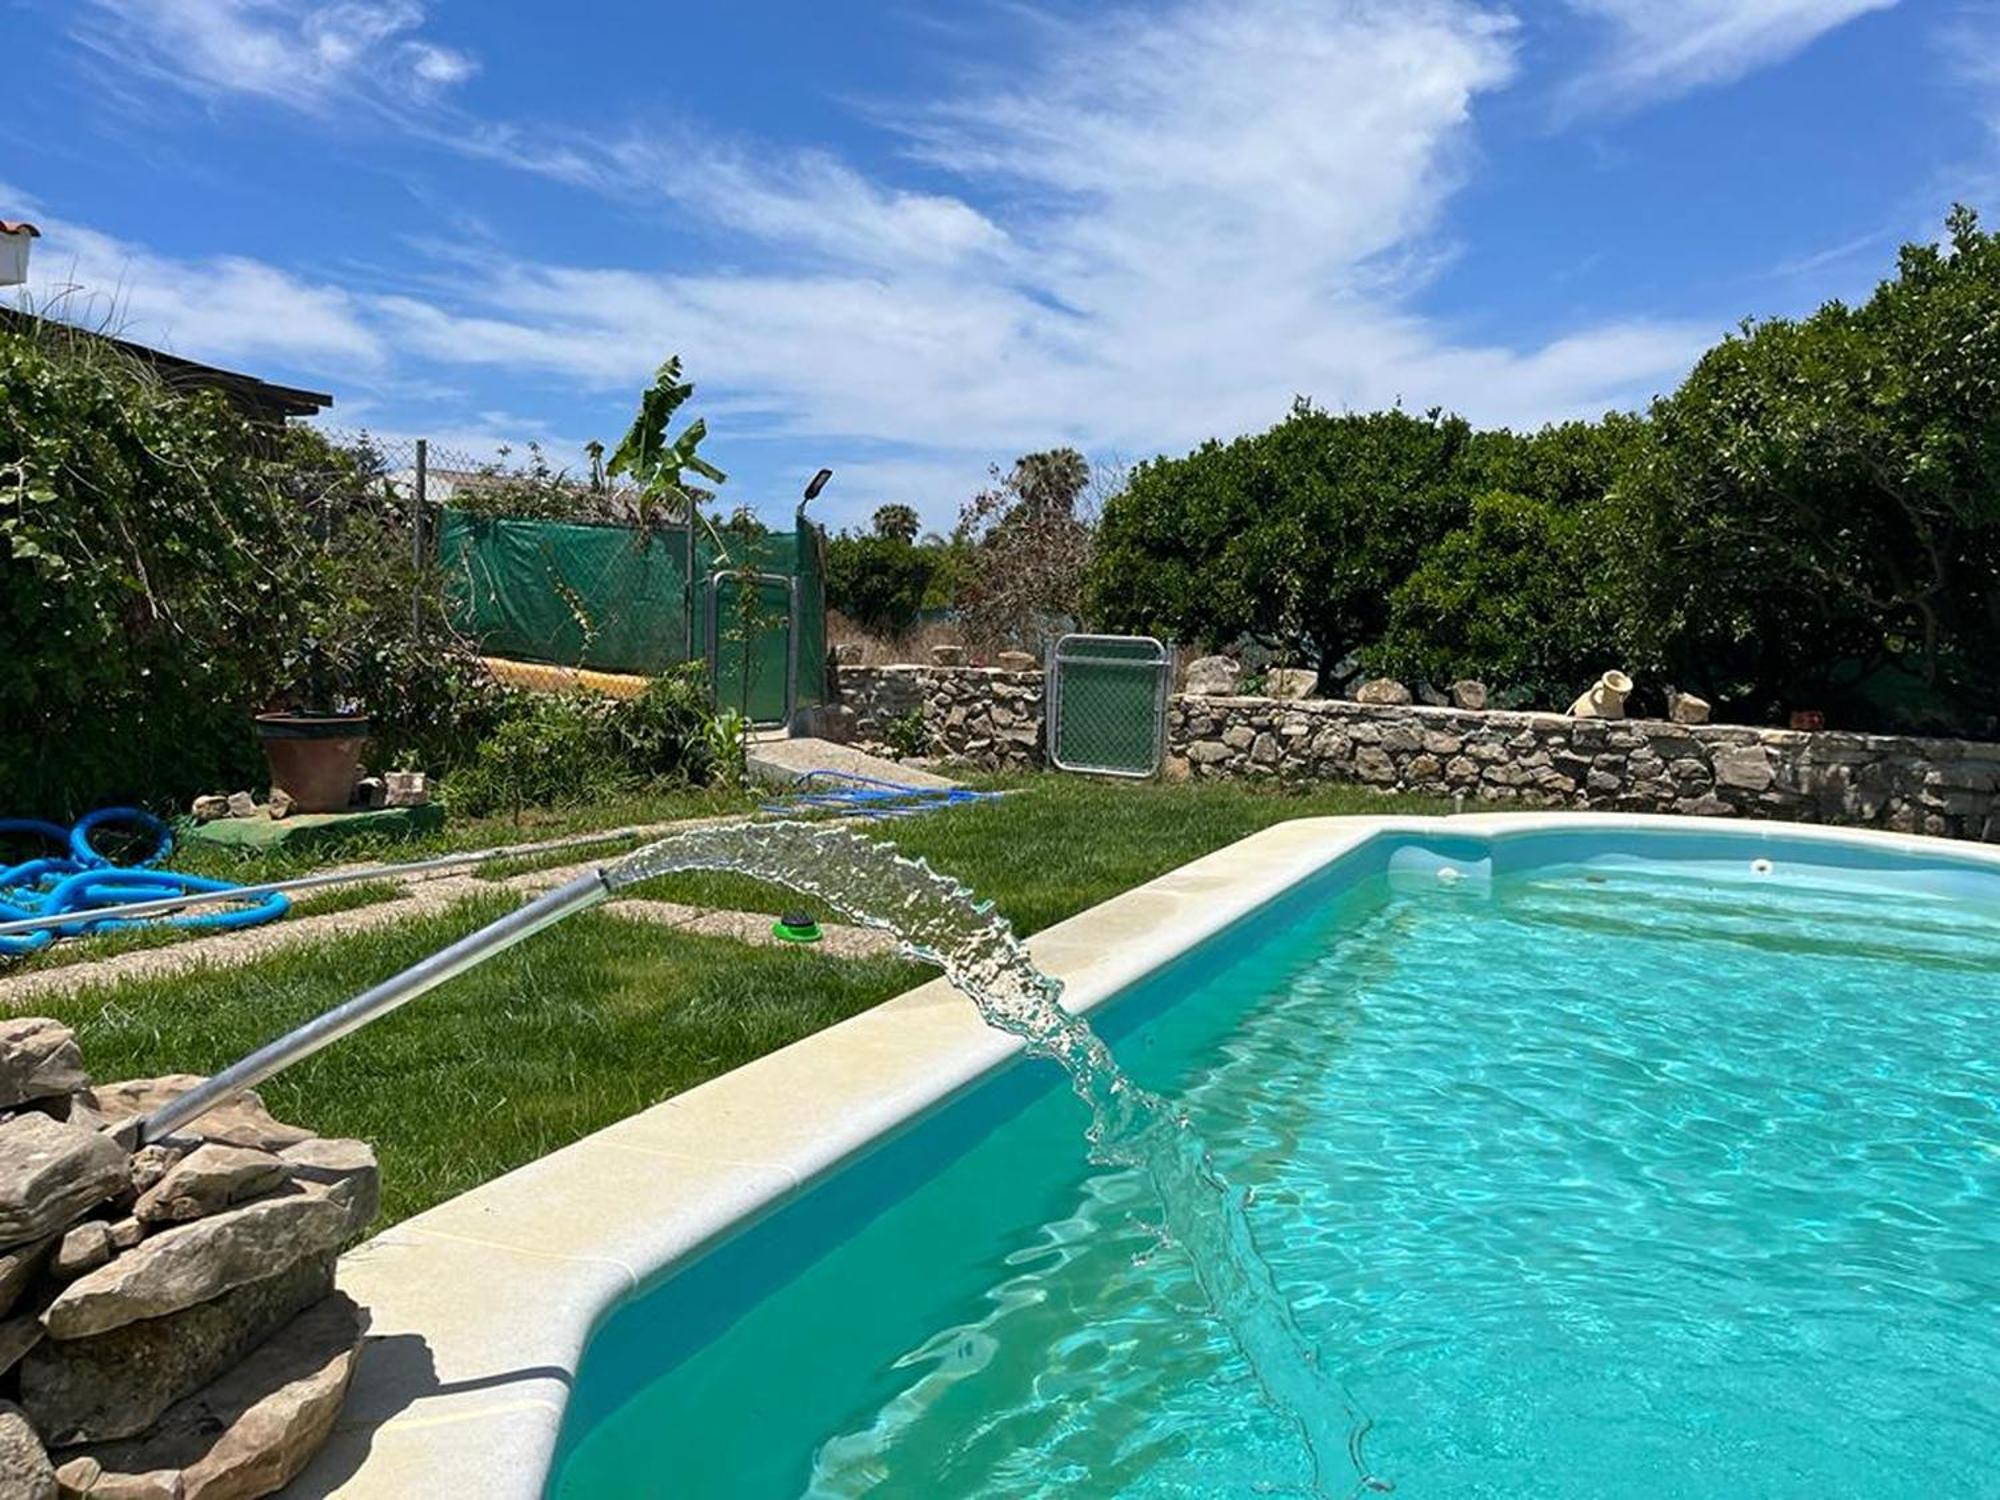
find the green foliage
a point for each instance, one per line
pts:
(879, 582)
(553, 750)
(1294, 537)
(1820, 506)
(908, 734)
(152, 577)
(728, 743)
(656, 462)
(1811, 520)
(1516, 596)
(895, 523)
(537, 490)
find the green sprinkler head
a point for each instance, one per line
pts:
(796, 927)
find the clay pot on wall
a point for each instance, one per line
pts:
(314, 757)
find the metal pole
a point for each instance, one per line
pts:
(419, 553)
(688, 623)
(330, 1027)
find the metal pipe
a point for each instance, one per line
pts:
(331, 1026)
(165, 904)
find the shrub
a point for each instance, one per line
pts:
(1293, 538)
(908, 734)
(152, 574)
(1517, 596)
(1818, 515)
(549, 750)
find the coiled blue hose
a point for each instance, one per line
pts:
(85, 882)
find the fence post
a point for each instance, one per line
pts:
(418, 513)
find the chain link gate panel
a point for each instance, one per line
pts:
(1107, 704)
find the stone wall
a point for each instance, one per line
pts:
(982, 715)
(993, 719)
(1629, 765)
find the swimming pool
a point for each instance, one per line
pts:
(1600, 1156)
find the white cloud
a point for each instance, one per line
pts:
(1210, 210)
(219, 308)
(305, 54)
(1166, 226)
(1664, 47)
(1969, 42)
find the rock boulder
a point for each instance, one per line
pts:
(209, 1179)
(50, 1173)
(38, 1060)
(1291, 682)
(253, 1430)
(25, 1470)
(116, 1384)
(1213, 677)
(1382, 690)
(191, 1263)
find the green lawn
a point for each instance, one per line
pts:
(535, 824)
(600, 1017)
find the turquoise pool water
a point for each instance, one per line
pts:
(1599, 1165)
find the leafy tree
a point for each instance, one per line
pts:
(1028, 551)
(1818, 514)
(656, 462)
(1050, 482)
(1516, 597)
(879, 582)
(1293, 537)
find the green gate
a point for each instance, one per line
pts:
(752, 628)
(1107, 704)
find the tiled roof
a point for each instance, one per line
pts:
(17, 226)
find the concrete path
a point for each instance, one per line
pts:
(780, 762)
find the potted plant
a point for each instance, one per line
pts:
(313, 739)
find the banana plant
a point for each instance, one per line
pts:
(657, 463)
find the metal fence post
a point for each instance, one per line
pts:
(418, 512)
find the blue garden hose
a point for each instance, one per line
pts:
(85, 882)
(866, 797)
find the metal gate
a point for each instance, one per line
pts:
(1107, 708)
(753, 637)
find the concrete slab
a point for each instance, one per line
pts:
(781, 762)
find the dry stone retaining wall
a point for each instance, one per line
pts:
(986, 716)
(1952, 787)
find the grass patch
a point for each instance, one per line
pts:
(543, 1044)
(664, 805)
(601, 1017)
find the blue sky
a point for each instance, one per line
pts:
(909, 241)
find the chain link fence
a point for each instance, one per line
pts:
(560, 579)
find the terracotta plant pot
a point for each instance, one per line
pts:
(314, 757)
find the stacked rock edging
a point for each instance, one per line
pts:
(993, 720)
(168, 1324)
